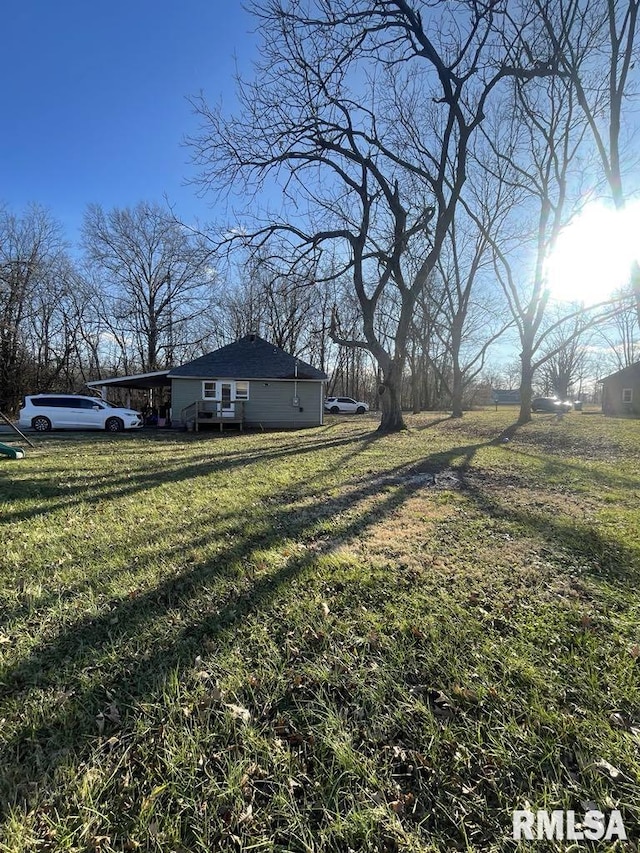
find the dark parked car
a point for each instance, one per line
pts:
(550, 404)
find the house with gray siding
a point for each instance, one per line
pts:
(621, 392)
(250, 382)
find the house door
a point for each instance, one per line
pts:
(226, 409)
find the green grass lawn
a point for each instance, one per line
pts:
(324, 640)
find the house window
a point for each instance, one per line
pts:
(209, 390)
(627, 395)
(242, 390)
(212, 389)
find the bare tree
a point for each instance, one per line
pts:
(565, 365)
(156, 281)
(33, 266)
(470, 318)
(620, 336)
(597, 46)
(535, 165)
(53, 332)
(362, 114)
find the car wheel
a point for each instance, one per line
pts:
(114, 425)
(334, 410)
(41, 424)
(360, 410)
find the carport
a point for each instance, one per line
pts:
(153, 383)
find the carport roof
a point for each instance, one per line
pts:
(143, 381)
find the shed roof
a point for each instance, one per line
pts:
(250, 357)
(630, 370)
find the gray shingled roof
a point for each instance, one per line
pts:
(630, 369)
(250, 357)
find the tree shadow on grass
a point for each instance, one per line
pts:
(431, 424)
(125, 486)
(58, 664)
(52, 495)
(32, 752)
(573, 542)
(557, 466)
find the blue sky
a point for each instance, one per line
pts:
(94, 98)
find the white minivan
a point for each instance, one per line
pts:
(43, 412)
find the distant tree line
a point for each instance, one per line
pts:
(143, 293)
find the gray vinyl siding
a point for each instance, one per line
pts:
(269, 404)
(184, 392)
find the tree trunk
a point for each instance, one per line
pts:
(390, 392)
(415, 386)
(635, 283)
(526, 381)
(457, 390)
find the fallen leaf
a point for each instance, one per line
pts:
(238, 712)
(465, 694)
(247, 815)
(604, 765)
(616, 719)
(442, 704)
(325, 609)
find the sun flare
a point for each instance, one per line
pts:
(594, 254)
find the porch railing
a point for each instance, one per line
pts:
(212, 412)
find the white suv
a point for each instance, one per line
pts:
(43, 412)
(345, 405)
